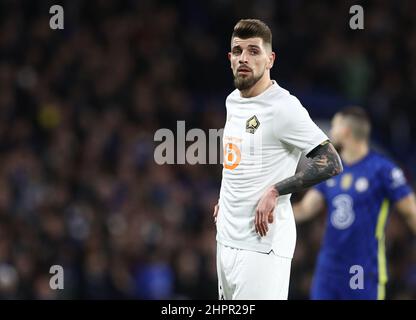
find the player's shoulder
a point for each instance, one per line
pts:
(381, 161)
(233, 100)
(286, 101)
(234, 94)
(379, 157)
(285, 95)
(388, 169)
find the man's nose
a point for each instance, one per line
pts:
(243, 58)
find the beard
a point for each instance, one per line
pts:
(245, 83)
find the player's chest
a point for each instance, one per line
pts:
(361, 186)
(249, 126)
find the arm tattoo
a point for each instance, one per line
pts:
(324, 163)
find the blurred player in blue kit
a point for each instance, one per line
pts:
(358, 203)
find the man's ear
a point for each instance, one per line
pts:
(272, 57)
(229, 58)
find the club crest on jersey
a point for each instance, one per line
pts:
(346, 181)
(361, 185)
(252, 124)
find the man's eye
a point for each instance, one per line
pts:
(236, 52)
(253, 51)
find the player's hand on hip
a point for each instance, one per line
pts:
(264, 211)
(216, 208)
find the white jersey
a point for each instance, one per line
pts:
(263, 139)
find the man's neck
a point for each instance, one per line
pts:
(262, 85)
(354, 152)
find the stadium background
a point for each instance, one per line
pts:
(79, 107)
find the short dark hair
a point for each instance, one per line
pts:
(252, 28)
(358, 121)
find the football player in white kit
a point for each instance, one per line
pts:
(266, 131)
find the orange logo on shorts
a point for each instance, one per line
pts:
(232, 156)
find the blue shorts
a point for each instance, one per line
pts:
(326, 286)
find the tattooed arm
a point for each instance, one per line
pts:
(324, 163)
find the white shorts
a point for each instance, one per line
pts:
(251, 275)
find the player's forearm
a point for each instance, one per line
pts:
(411, 221)
(407, 207)
(410, 218)
(324, 164)
(301, 215)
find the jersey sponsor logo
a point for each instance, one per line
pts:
(343, 215)
(361, 184)
(232, 156)
(346, 181)
(252, 124)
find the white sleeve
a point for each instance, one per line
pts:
(292, 125)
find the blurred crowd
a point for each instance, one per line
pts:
(79, 107)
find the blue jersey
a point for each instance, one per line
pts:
(358, 202)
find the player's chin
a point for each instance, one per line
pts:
(243, 83)
(243, 76)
